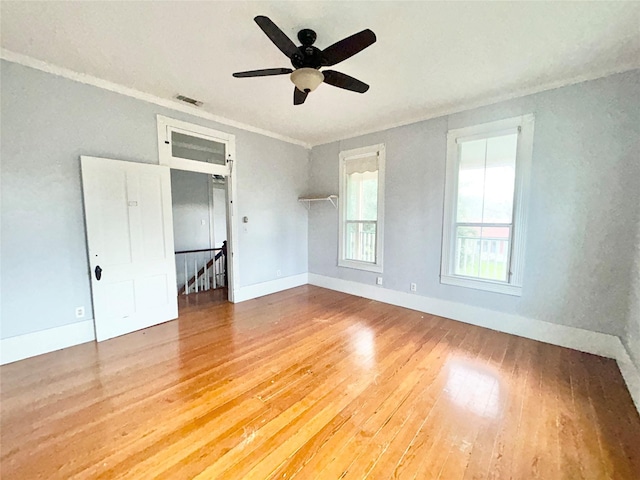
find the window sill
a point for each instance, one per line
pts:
(368, 267)
(481, 285)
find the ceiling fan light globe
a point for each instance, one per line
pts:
(307, 79)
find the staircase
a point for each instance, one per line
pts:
(200, 273)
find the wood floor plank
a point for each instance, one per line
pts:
(408, 415)
(289, 428)
(310, 383)
(279, 401)
(508, 411)
(429, 430)
(383, 404)
(483, 397)
(390, 386)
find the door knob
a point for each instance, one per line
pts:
(98, 271)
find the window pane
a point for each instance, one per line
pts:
(486, 179)
(494, 257)
(362, 196)
(500, 179)
(467, 254)
(483, 252)
(360, 241)
(471, 181)
(196, 148)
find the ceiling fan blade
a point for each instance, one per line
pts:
(341, 80)
(263, 73)
(299, 96)
(277, 36)
(347, 47)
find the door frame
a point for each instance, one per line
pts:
(165, 126)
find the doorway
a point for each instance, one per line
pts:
(202, 167)
(200, 232)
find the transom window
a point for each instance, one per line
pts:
(361, 205)
(186, 146)
(485, 214)
(192, 147)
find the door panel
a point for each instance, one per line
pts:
(130, 237)
(111, 201)
(151, 219)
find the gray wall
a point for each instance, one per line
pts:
(47, 123)
(219, 215)
(190, 206)
(584, 196)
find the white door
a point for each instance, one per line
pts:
(130, 236)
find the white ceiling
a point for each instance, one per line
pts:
(430, 57)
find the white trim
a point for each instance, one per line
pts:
(356, 265)
(233, 239)
(484, 101)
(520, 218)
(355, 153)
(31, 62)
(476, 133)
(166, 125)
(32, 344)
(451, 109)
(267, 288)
(597, 343)
(487, 285)
(524, 124)
(631, 375)
(571, 337)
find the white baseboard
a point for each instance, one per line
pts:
(631, 375)
(579, 339)
(266, 288)
(576, 338)
(24, 346)
(17, 348)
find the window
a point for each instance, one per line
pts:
(187, 146)
(361, 208)
(485, 205)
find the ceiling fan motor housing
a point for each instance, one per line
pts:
(307, 55)
(307, 37)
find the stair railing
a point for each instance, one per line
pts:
(202, 269)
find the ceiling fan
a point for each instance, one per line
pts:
(307, 60)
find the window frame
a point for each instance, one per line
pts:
(525, 126)
(346, 155)
(168, 125)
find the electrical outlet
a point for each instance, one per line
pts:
(278, 273)
(379, 281)
(414, 287)
(79, 312)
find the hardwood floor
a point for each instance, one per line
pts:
(311, 383)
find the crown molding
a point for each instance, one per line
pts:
(450, 109)
(454, 108)
(43, 66)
